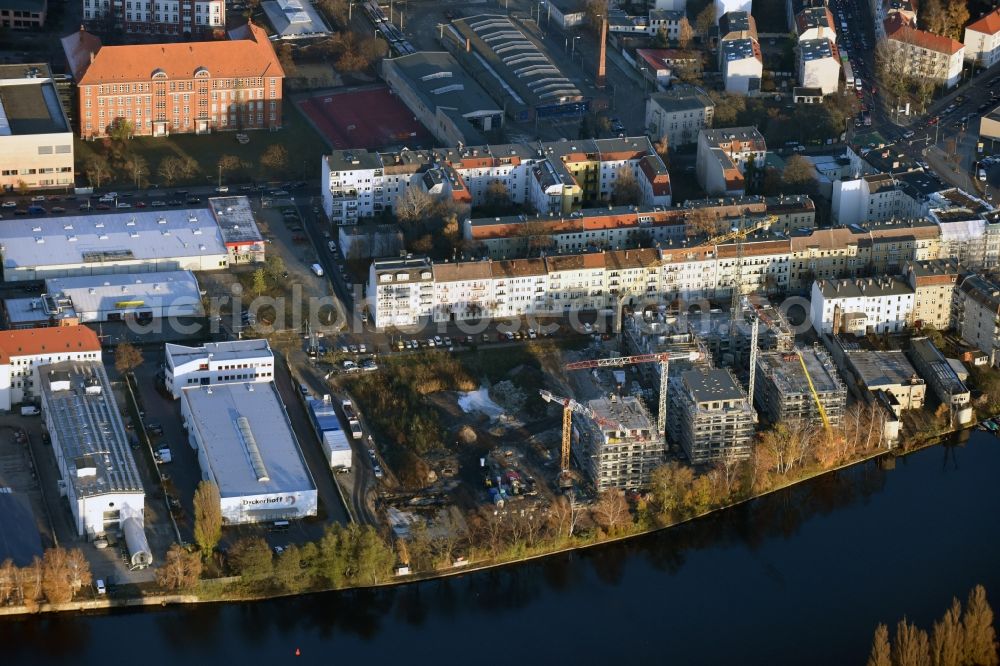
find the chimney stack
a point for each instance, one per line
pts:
(601, 78)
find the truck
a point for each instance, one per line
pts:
(30, 410)
(348, 408)
(848, 75)
(332, 438)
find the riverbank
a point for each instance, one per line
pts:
(228, 589)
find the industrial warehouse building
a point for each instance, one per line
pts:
(217, 363)
(98, 474)
(941, 376)
(246, 446)
(443, 97)
(101, 244)
(99, 298)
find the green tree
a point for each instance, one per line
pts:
(250, 557)
(259, 281)
(977, 628)
(372, 556)
(334, 555)
(122, 130)
(207, 516)
(127, 358)
(288, 571)
(275, 157)
(880, 654)
(275, 267)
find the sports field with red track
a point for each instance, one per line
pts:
(373, 118)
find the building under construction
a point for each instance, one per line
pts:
(710, 416)
(783, 391)
(620, 447)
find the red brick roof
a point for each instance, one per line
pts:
(180, 60)
(54, 340)
(988, 25)
(898, 29)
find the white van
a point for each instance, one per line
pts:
(982, 174)
(318, 270)
(30, 410)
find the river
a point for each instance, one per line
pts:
(800, 577)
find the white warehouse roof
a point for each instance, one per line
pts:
(247, 438)
(114, 236)
(101, 293)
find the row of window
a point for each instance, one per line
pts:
(32, 172)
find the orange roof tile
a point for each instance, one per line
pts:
(988, 25)
(54, 340)
(180, 60)
(898, 29)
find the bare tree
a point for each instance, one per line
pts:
(180, 570)
(30, 584)
(611, 512)
(8, 582)
(97, 168)
(413, 205)
(685, 33)
(625, 191)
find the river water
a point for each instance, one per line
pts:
(800, 577)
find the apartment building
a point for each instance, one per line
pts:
(557, 176)
(23, 14)
(976, 315)
(982, 40)
(36, 140)
(710, 416)
(969, 233)
(400, 291)
(214, 363)
(623, 448)
(725, 156)
(159, 17)
(784, 392)
(740, 59)
(462, 290)
(23, 351)
(873, 198)
(887, 373)
(679, 114)
(181, 87)
(861, 305)
(815, 23)
(819, 65)
(933, 284)
(923, 54)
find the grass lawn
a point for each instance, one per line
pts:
(303, 144)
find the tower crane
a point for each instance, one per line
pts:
(569, 406)
(619, 361)
(739, 233)
(786, 345)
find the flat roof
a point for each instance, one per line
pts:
(864, 287)
(414, 267)
(109, 237)
(440, 82)
(30, 106)
(816, 49)
(627, 412)
(881, 368)
(714, 384)
(786, 371)
(94, 293)
(236, 220)
(353, 160)
(294, 19)
(248, 439)
(30, 309)
(233, 350)
(87, 426)
(739, 49)
(682, 98)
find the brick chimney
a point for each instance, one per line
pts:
(602, 55)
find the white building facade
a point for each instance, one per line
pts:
(862, 305)
(24, 350)
(215, 363)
